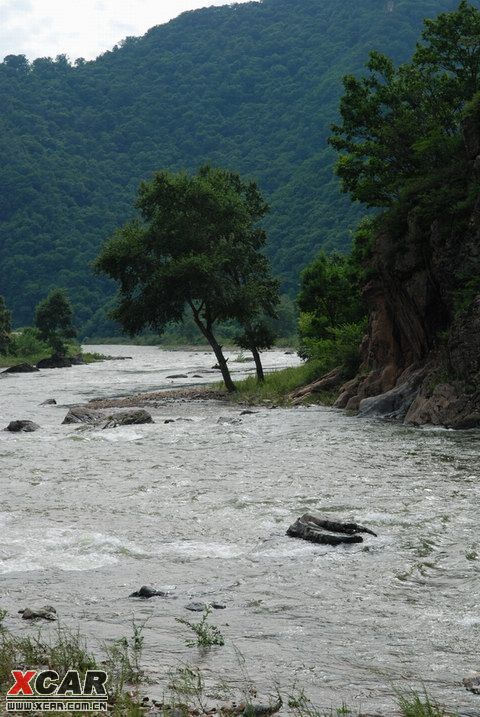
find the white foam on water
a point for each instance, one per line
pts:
(118, 435)
(198, 550)
(62, 548)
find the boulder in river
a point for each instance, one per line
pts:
(178, 375)
(49, 402)
(128, 418)
(54, 362)
(146, 591)
(327, 532)
(21, 368)
(22, 427)
(80, 414)
(47, 612)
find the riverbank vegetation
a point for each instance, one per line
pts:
(185, 692)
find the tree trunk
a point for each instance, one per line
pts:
(217, 350)
(258, 364)
(222, 362)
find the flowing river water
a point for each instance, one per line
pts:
(201, 508)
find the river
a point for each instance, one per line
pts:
(201, 508)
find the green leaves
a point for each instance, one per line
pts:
(398, 123)
(53, 319)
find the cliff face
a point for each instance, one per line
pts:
(421, 357)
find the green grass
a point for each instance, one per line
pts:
(415, 704)
(206, 635)
(278, 385)
(186, 693)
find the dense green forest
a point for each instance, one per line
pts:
(253, 87)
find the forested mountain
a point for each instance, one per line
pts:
(251, 87)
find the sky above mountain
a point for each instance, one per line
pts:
(81, 28)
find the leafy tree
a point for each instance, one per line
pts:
(53, 320)
(329, 292)
(5, 328)
(196, 244)
(332, 312)
(258, 336)
(400, 125)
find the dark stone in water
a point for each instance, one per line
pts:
(22, 427)
(79, 414)
(21, 368)
(78, 360)
(47, 612)
(169, 420)
(128, 418)
(49, 402)
(310, 527)
(178, 375)
(247, 412)
(146, 591)
(54, 362)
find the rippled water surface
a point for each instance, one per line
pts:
(201, 507)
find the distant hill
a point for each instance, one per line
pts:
(252, 87)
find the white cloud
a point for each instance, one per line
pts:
(81, 28)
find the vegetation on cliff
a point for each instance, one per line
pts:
(252, 87)
(410, 146)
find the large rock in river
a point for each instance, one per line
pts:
(128, 418)
(21, 368)
(327, 532)
(80, 414)
(54, 362)
(22, 427)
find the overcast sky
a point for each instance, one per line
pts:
(81, 28)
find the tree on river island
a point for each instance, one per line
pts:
(53, 320)
(197, 243)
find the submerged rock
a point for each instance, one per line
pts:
(22, 427)
(201, 606)
(47, 612)
(262, 710)
(54, 362)
(472, 683)
(310, 527)
(128, 418)
(146, 591)
(21, 368)
(49, 402)
(178, 375)
(228, 420)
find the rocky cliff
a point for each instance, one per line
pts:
(421, 357)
